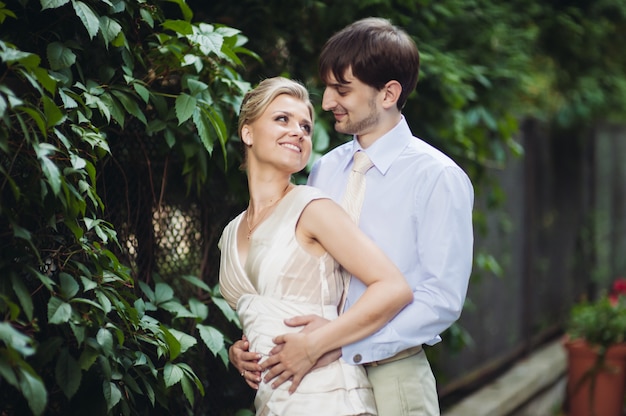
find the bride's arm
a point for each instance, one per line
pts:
(325, 225)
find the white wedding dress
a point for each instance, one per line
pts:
(280, 280)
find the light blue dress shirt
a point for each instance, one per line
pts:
(418, 210)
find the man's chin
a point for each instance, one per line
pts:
(342, 128)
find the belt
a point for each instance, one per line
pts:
(402, 354)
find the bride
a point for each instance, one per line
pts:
(281, 257)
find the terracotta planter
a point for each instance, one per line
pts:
(606, 397)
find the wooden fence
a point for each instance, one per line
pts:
(560, 238)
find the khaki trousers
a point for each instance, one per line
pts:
(405, 387)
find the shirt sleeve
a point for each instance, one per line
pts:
(445, 244)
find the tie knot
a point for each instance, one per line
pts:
(362, 162)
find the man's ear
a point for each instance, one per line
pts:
(392, 90)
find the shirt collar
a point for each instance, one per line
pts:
(387, 148)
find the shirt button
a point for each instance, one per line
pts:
(357, 358)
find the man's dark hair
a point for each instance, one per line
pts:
(376, 51)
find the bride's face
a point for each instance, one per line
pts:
(281, 136)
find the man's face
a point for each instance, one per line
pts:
(354, 104)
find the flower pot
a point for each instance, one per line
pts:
(595, 388)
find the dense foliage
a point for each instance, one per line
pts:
(79, 335)
(80, 328)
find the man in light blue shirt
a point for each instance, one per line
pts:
(417, 209)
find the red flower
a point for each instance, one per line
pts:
(619, 286)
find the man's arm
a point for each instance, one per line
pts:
(246, 362)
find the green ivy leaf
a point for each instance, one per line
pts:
(52, 4)
(177, 309)
(11, 309)
(172, 374)
(79, 332)
(186, 341)
(196, 87)
(199, 309)
(23, 295)
(87, 358)
(148, 389)
(228, 312)
(185, 106)
(15, 339)
(88, 284)
(101, 104)
(196, 281)
(187, 389)
(104, 301)
(67, 373)
(6, 368)
(218, 124)
(37, 117)
(179, 26)
(59, 312)
(116, 110)
(87, 17)
(119, 41)
(162, 293)
(34, 391)
(69, 287)
(130, 382)
(130, 105)
(184, 8)
(142, 91)
(60, 56)
(109, 28)
(212, 338)
(112, 394)
(209, 42)
(105, 365)
(49, 168)
(44, 78)
(171, 341)
(147, 290)
(68, 101)
(21, 232)
(3, 109)
(28, 60)
(146, 16)
(4, 13)
(105, 340)
(190, 375)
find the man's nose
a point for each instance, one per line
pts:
(328, 100)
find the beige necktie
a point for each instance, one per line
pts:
(352, 202)
(355, 190)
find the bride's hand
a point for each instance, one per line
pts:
(246, 362)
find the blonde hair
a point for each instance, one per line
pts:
(258, 99)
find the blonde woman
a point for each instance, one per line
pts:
(280, 258)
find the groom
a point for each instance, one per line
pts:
(417, 209)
